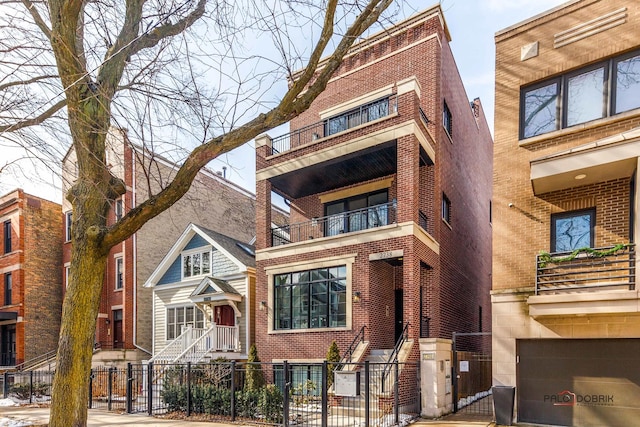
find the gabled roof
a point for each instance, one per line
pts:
(238, 252)
(212, 289)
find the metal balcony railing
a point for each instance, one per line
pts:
(610, 267)
(334, 225)
(350, 119)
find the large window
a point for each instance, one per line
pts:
(177, 317)
(7, 236)
(357, 213)
(572, 230)
(581, 96)
(196, 263)
(311, 299)
(8, 287)
(352, 118)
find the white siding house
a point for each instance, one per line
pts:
(202, 298)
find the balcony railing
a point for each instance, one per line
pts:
(610, 267)
(363, 114)
(334, 225)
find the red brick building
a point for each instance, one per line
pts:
(125, 319)
(30, 293)
(388, 178)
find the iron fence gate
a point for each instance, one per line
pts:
(471, 373)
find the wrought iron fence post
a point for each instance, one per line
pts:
(325, 397)
(91, 375)
(286, 400)
(5, 386)
(188, 389)
(366, 394)
(454, 374)
(233, 390)
(110, 388)
(129, 388)
(150, 388)
(396, 394)
(31, 386)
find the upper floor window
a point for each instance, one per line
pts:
(7, 236)
(119, 209)
(572, 230)
(68, 218)
(447, 119)
(446, 209)
(8, 285)
(581, 96)
(311, 299)
(196, 263)
(119, 273)
(357, 213)
(360, 115)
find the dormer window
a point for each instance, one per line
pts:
(197, 263)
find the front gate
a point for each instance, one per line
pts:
(471, 373)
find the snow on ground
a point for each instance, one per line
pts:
(6, 422)
(7, 402)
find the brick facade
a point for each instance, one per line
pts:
(33, 262)
(567, 169)
(435, 270)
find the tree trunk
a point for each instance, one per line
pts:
(71, 383)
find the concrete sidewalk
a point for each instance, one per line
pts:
(101, 418)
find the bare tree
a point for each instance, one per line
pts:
(70, 69)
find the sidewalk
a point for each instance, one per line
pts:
(101, 418)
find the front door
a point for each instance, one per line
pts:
(8, 345)
(118, 336)
(224, 315)
(398, 314)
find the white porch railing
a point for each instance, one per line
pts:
(195, 343)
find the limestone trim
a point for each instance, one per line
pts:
(355, 102)
(409, 127)
(590, 28)
(584, 303)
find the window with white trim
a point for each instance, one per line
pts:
(196, 263)
(177, 317)
(119, 209)
(68, 219)
(119, 262)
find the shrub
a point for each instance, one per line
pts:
(254, 378)
(271, 403)
(333, 357)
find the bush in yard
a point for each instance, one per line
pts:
(247, 403)
(175, 397)
(333, 358)
(270, 403)
(254, 378)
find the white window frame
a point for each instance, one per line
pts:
(118, 208)
(67, 274)
(119, 273)
(190, 253)
(177, 327)
(68, 219)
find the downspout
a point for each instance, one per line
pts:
(135, 260)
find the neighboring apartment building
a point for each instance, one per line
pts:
(388, 178)
(31, 292)
(125, 320)
(566, 312)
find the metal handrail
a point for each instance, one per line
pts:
(586, 270)
(337, 224)
(27, 364)
(342, 122)
(348, 354)
(393, 357)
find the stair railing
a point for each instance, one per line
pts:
(348, 354)
(393, 357)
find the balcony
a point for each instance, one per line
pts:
(350, 119)
(597, 269)
(336, 225)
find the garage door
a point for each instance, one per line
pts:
(586, 382)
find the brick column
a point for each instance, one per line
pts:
(263, 214)
(408, 176)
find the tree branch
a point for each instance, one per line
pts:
(36, 120)
(26, 82)
(37, 18)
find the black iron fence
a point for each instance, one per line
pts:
(268, 393)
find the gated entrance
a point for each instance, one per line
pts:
(471, 373)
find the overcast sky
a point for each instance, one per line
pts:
(472, 24)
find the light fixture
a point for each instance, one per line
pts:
(263, 305)
(580, 176)
(356, 296)
(107, 321)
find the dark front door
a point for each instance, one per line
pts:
(8, 345)
(118, 336)
(224, 316)
(398, 314)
